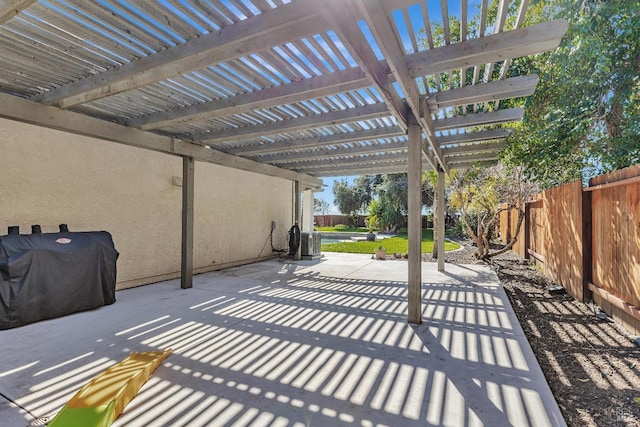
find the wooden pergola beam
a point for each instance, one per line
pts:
(12, 8)
(359, 163)
(377, 19)
(273, 27)
(513, 87)
(462, 153)
(496, 47)
(307, 143)
(314, 87)
(470, 158)
(325, 153)
(482, 135)
(400, 168)
(366, 112)
(474, 148)
(479, 119)
(343, 16)
(22, 110)
(354, 160)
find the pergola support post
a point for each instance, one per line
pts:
(186, 264)
(415, 223)
(440, 214)
(307, 211)
(296, 215)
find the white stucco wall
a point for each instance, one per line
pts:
(49, 177)
(233, 214)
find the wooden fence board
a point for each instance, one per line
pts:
(518, 247)
(537, 226)
(508, 224)
(616, 234)
(563, 237)
(619, 175)
(589, 239)
(633, 258)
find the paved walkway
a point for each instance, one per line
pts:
(315, 343)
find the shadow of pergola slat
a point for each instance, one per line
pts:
(306, 352)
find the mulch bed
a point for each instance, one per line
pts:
(591, 363)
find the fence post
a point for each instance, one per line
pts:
(587, 245)
(507, 238)
(527, 230)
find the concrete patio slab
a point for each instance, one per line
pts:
(312, 343)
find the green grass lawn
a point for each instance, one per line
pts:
(398, 244)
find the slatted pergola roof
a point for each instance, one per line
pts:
(297, 89)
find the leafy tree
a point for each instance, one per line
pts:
(320, 206)
(388, 211)
(383, 196)
(584, 118)
(352, 200)
(481, 194)
(385, 216)
(366, 186)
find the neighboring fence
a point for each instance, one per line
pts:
(508, 224)
(588, 240)
(333, 220)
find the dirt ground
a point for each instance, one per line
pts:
(591, 363)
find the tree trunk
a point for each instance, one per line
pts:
(613, 118)
(514, 238)
(470, 232)
(483, 245)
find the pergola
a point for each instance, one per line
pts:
(297, 90)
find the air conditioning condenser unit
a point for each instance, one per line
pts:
(311, 243)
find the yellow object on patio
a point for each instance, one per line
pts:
(104, 398)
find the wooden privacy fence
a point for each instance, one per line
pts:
(508, 224)
(588, 240)
(333, 220)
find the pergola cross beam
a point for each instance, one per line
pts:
(365, 112)
(314, 87)
(343, 16)
(26, 111)
(353, 160)
(479, 119)
(270, 28)
(325, 153)
(496, 47)
(316, 142)
(482, 135)
(377, 18)
(513, 87)
(474, 148)
(399, 165)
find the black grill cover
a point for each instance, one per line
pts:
(43, 276)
